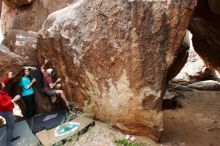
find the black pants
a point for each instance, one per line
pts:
(30, 104)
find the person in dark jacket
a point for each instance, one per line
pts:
(6, 110)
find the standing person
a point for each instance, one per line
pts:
(27, 91)
(52, 88)
(6, 110)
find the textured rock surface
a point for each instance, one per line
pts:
(22, 43)
(194, 69)
(206, 85)
(30, 17)
(17, 3)
(214, 5)
(119, 53)
(180, 58)
(206, 34)
(9, 61)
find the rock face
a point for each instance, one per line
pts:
(22, 43)
(17, 3)
(9, 61)
(180, 58)
(206, 34)
(119, 53)
(29, 17)
(194, 69)
(206, 85)
(214, 5)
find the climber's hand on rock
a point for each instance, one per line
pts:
(46, 61)
(59, 80)
(10, 75)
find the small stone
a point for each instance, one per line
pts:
(127, 137)
(132, 138)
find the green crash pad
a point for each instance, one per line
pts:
(64, 131)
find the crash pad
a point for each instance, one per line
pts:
(64, 131)
(37, 123)
(27, 138)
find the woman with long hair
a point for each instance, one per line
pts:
(6, 110)
(27, 91)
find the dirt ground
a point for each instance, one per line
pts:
(197, 123)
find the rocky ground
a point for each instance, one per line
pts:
(197, 123)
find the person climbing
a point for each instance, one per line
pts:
(53, 88)
(6, 110)
(27, 91)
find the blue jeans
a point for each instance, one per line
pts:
(10, 125)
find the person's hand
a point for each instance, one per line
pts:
(46, 61)
(34, 80)
(17, 97)
(59, 80)
(10, 75)
(34, 68)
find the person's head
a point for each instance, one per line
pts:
(25, 72)
(2, 85)
(49, 71)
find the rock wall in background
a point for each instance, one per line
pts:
(113, 57)
(9, 62)
(22, 43)
(28, 15)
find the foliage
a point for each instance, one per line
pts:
(124, 142)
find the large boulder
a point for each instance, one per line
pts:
(28, 17)
(22, 43)
(9, 61)
(206, 34)
(119, 53)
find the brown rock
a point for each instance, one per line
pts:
(206, 35)
(180, 58)
(9, 61)
(29, 17)
(214, 5)
(17, 3)
(206, 85)
(119, 53)
(22, 43)
(0, 8)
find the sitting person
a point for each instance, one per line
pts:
(6, 110)
(52, 88)
(27, 91)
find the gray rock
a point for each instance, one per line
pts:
(205, 85)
